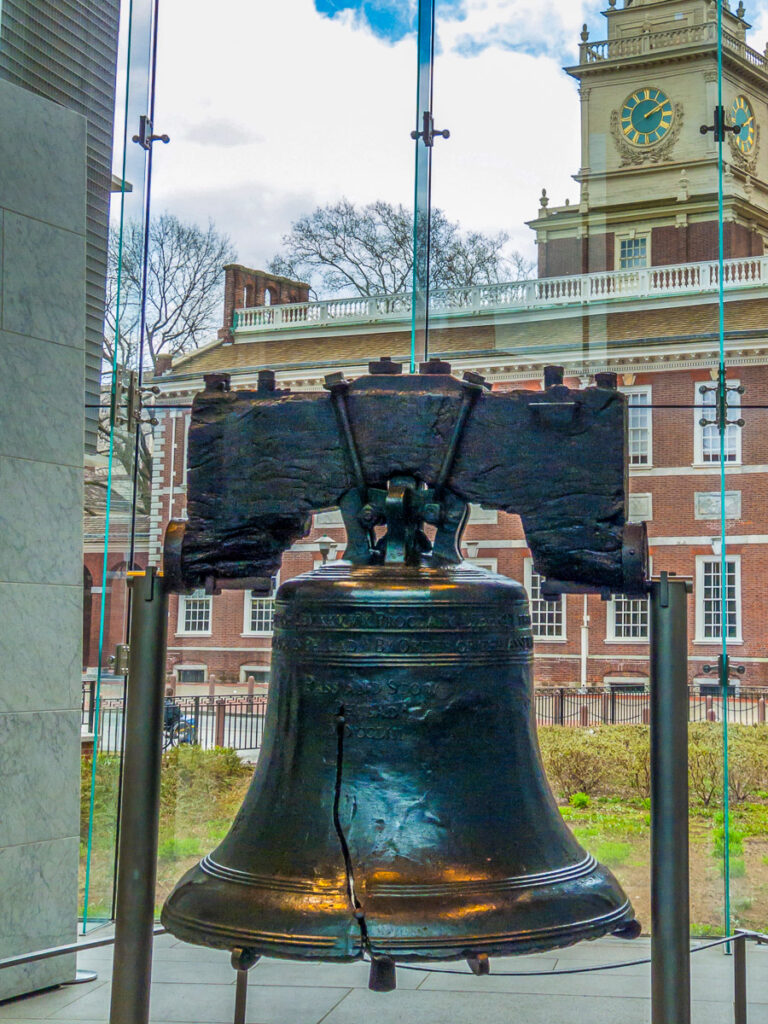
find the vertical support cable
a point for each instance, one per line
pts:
(722, 421)
(670, 923)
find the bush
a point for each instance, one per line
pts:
(579, 800)
(615, 761)
(573, 760)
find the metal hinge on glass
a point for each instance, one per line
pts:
(119, 660)
(721, 420)
(128, 399)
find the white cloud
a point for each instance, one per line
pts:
(273, 109)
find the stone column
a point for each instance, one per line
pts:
(42, 331)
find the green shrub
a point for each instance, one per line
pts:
(579, 800)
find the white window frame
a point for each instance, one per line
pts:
(701, 563)
(558, 638)
(610, 617)
(187, 421)
(189, 667)
(255, 671)
(642, 389)
(196, 595)
(248, 598)
(633, 236)
(734, 406)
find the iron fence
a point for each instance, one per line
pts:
(238, 722)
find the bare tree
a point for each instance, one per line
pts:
(184, 289)
(342, 247)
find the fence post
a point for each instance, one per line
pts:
(760, 711)
(140, 810)
(740, 979)
(670, 917)
(605, 707)
(220, 712)
(561, 707)
(251, 681)
(584, 714)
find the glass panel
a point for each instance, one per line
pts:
(310, 205)
(117, 482)
(733, 576)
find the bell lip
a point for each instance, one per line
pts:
(432, 950)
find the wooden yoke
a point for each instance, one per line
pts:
(260, 462)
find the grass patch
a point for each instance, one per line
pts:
(611, 854)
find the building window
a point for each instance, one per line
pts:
(628, 618)
(191, 673)
(260, 674)
(547, 617)
(195, 613)
(260, 612)
(707, 439)
(633, 252)
(640, 426)
(709, 610)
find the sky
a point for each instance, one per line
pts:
(275, 108)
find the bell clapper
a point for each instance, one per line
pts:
(242, 960)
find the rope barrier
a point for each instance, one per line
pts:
(576, 970)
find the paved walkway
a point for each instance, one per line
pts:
(195, 985)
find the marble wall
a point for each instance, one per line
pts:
(42, 329)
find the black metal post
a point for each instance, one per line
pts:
(670, 924)
(139, 819)
(740, 979)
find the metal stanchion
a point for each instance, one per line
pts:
(242, 961)
(670, 924)
(740, 979)
(137, 853)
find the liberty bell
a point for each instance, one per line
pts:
(399, 809)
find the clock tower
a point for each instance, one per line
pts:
(648, 176)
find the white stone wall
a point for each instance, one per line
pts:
(42, 328)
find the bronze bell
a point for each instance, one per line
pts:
(399, 808)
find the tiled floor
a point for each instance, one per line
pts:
(195, 985)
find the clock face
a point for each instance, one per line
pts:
(741, 113)
(646, 116)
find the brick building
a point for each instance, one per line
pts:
(628, 282)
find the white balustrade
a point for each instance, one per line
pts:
(688, 35)
(573, 289)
